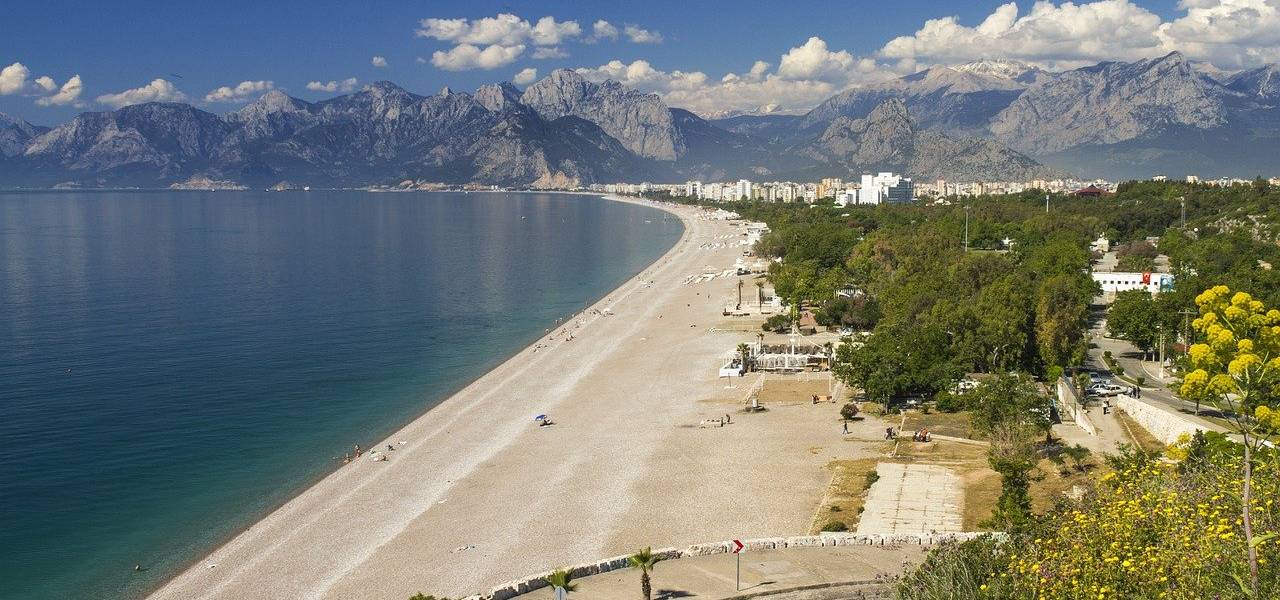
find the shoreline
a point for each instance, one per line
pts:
(475, 494)
(159, 586)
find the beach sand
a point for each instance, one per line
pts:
(477, 494)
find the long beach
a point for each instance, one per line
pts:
(476, 493)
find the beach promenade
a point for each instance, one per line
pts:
(475, 493)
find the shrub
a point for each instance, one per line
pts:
(872, 478)
(835, 509)
(777, 323)
(835, 526)
(849, 411)
(1140, 380)
(949, 403)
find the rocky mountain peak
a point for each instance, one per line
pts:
(890, 113)
(272, 102)
(498, 97)
(642, 122)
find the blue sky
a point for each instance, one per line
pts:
(709, 56)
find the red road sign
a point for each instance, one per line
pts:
(737, 546)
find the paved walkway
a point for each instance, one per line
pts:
(712, 577)
(915, 498)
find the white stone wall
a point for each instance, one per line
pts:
(1164, 424)
(528, 584)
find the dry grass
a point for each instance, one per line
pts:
(940, 423)
(1050, 484)
(787, 390)
(847, 493)
(1138, 433)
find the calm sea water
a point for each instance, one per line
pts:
(175, 365)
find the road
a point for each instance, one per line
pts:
(1155, 389)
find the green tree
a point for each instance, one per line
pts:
(1133, 317)
(645, 561)
(1061, 318)
(849, 411)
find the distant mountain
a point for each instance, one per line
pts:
(888, 139)
(563, 130)
(16, 135)
(1112, 102)
(960, 100)
(640, 121)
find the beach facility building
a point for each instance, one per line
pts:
(1115, 282)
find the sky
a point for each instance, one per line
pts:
(59, 58)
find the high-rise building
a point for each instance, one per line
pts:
(885, 187)
(742, 190)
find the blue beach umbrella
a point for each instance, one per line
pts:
(540, 418)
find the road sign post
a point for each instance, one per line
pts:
(737, 575)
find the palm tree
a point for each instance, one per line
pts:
(644, 560)
(760, 293)
(745, 352)
(561, 579)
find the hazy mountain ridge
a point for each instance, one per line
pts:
(562, 130)
(1161, 115)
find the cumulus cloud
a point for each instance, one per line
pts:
(806, 75)
(69, 93)
(602, 30)
(465, 57)
(159, 90)
(1228, 33)
(813, 61)
(379, 61)
(13, 79)
(241, 92)
(639, 35)
(344, 86)
(552, 52)
(46, 84)
(506, 30)
(525, 76)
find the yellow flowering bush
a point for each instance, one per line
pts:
(1236, 361)
(1147, 530)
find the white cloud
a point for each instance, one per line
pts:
(1227, 33)
(242, 92)
(552, 52)
(642, 36)
(13, 79)
(602, 30)
(379, 61)
(465, 57)
(525, 76)
(159, 90)
(813, 61)
(806, 75)
(344, 86)
(505, 30)
(68, 94)
(46, 84)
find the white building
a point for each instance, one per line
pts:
(693, 189)
(1113, 283)
(742, 190)
(885, 188)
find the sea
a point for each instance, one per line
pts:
(175, 365)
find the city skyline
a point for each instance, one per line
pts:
(216, 58)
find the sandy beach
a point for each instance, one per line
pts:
(475, 493)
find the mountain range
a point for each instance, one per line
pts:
(986, 120)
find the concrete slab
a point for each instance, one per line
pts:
(913, 499)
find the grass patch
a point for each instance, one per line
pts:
(846, 494)
(939, 423)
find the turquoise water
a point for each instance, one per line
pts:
(175, 365)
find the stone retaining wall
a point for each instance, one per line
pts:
(1069, 403)
(528, 584)
(1165, 425)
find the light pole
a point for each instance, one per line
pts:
(966, 229)
(1182, 201)
(1046, 204)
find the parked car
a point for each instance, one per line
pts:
(1109, 389)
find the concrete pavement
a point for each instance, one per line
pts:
(712, 577)
(913, 498)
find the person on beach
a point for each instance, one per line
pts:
(888, 433)
(846, 428)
